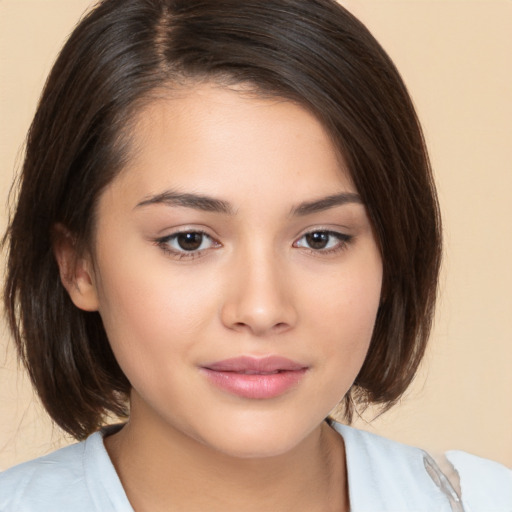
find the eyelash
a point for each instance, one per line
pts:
(163, 243)
(343, 241)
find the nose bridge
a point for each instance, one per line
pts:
(259, 298)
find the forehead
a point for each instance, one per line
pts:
(231, 142)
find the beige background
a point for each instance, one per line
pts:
(455, 56)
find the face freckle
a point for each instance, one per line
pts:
(252, 180)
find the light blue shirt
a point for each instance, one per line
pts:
(383, 476)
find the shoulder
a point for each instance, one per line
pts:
(485, 484)
(402, 477)
(42, 481)
(79, 477)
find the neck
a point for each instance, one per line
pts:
(162, 468)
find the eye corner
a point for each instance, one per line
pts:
(328, 241)
(171, 246)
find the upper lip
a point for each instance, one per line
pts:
(246, 364)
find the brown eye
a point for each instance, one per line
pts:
(189, 241)
(318, 239)
(323, 241)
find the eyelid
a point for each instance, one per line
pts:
(343, 240)
(163, 243)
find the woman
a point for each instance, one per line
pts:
(227, 221)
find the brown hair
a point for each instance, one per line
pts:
(313, 52)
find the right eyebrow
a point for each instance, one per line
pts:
(196, 201)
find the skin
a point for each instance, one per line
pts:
(256, 287)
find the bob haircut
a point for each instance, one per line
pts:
(122, 54)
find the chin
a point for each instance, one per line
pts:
(259, 448)
(254, 438)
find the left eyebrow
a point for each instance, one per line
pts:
(325, 203)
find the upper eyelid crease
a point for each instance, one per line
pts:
(344, 237)
(343, 240)
(164, 240)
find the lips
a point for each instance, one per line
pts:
(255, 378)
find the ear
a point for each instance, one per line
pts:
(76, 269)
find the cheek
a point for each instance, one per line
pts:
(150, 310)
(345, 310)
(348, 301)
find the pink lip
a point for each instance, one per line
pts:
(256, 378)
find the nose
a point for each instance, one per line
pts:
(259, 299)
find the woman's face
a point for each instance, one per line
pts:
(235, 270)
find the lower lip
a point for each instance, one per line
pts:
(257, 386)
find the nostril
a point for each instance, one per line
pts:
(258, 314)
(280, 326)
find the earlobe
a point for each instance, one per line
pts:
(76, 271)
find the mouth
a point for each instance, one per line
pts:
(255, 378)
